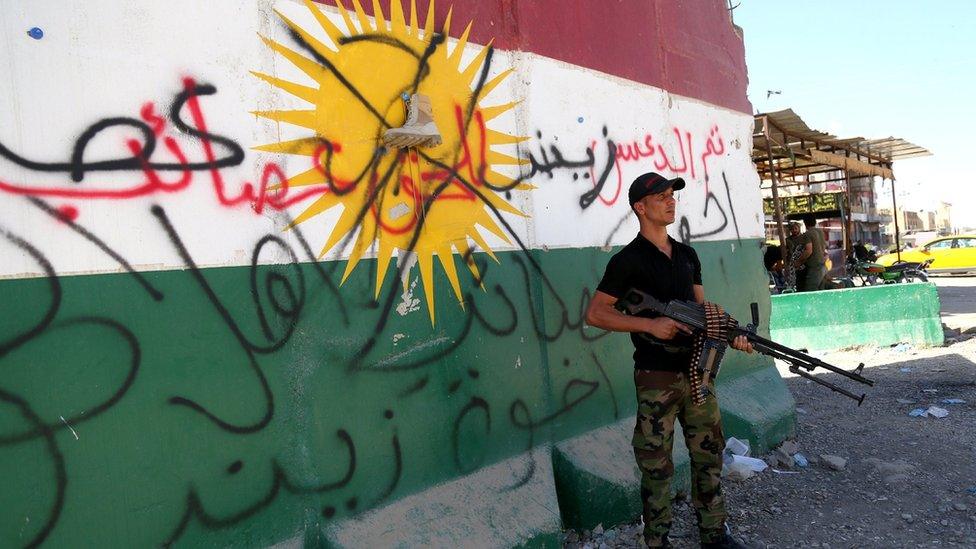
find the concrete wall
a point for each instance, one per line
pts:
(232, 318)
(867, 315)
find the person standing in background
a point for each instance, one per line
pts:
(812, 257)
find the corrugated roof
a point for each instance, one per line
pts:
(792, 152)
(894, 148)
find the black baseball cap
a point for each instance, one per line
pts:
(652, 183)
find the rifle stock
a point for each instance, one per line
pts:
(693, 315)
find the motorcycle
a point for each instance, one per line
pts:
(870, 273)
(867, 273)
(909, 271)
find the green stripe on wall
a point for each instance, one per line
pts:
(514, 368)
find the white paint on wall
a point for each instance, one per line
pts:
(102, 59)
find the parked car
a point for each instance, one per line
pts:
(949, 254)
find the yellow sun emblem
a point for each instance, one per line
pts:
(424, 200)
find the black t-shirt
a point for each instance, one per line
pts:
(641, 265)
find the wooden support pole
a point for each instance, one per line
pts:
(777, 209)
(849, 221)
(894, 208)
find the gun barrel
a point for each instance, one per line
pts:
(693, 314)
(799, 358)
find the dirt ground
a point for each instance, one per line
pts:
(907, 481)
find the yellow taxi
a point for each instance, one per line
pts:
(956, 253)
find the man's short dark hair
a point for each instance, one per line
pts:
(809, 221)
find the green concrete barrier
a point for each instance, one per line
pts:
(868, 315)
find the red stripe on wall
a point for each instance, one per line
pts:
(686, 47)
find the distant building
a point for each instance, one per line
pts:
(915, 226)
(912, 221)
(943, 219)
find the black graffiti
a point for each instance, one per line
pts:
(397, 464)
(564, 322)
(57, 460)
(549, 166)
(37, 426)
(451, 176)
(54, 289)
(587, 198)
(283, 298)
(287, 302)
(519, 408)
(88, 414)
(279, 300)
(616, 228)
(77, 167)
(495, 330)
(249, 348)
(606, 380)
(524, 253)
(728, 195)
(475, 404)
(325, 276)
(416, 387)
(100, 244)
(195, 508)
(684, 226)
(711, 201)
(521, 417)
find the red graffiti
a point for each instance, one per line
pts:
(635, 151)
(68, 212)
(258, 197)
(271, 191)
(454, 189)
(714, 146)
(156, 122)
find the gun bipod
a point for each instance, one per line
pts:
(796, 370)
(797, 362)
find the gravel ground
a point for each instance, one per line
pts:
(906, 481)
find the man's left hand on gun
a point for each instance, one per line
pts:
(742, 343)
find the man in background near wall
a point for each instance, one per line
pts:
(812, 257)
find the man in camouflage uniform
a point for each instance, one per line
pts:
(657, 264)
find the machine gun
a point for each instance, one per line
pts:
(714, 330)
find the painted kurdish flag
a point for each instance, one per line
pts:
(431, 201)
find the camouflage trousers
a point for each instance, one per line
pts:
(662, 398)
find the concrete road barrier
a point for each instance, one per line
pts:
(867, 315)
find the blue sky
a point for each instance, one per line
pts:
(875, 68)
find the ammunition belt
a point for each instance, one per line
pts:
(709, 348)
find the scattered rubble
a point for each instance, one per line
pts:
(901, 484)
(836, 463)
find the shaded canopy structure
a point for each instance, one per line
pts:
(787, 152)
